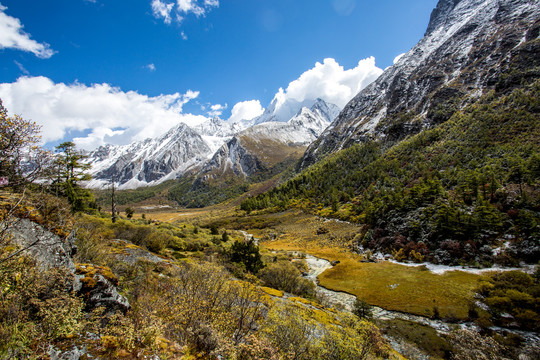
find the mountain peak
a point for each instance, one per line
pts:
(440, 14)
(469, 47)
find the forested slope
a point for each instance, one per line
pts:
(457, 191)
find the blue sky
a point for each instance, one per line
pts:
(185, 56)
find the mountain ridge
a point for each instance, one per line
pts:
(189, 150)
(436, 73)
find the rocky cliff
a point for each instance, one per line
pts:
(470, 47)
(151, 160)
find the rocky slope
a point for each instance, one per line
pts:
(467, 46)
(267, 144)
(149, 161)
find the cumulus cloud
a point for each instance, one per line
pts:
(104, 114)
(216, 110)
(162, 10)
(246, 110)
(330, 82)
(151, 67)
(166, 10)
(12, 36)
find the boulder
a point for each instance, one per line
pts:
(97, 284)
(48, 249)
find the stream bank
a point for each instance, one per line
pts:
(341, 299)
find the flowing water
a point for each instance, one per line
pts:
(344, 300)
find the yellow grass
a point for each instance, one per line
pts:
(391, 286)
(272, 291)
(402, 288)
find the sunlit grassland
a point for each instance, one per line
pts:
(401, 288)
(391, 286)
(384, 284)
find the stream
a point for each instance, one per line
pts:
(318, 265)
(346, 301)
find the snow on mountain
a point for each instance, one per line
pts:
(268, 143)
(150, 161)
(301, 129)
(185, 148)
(467, 46)
(282, 110)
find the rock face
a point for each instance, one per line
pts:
(468, 45)
(235, 157)
(104, 293)
(262, 146)
(50, 251)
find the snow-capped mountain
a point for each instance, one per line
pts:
(282, 110)
(467, 46)
(264, 145)
(185, 148)
(150, 161)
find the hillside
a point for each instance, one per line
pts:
(466, 190)
(470, 47)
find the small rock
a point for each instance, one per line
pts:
(73, 354)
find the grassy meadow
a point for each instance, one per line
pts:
(388, 285)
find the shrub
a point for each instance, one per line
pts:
(129, 212)
(285, 276)
(247, 253)
(362, 309)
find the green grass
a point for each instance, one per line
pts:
(424, 337)
(417, 292)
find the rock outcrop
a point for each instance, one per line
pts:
(48, 249)
(96, 284)
(470, 46)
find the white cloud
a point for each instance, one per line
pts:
(166, 9)
(151, 67)
(330, 82)
(107, 114)
(21, 67)
(396, 59)
(12, 36)
(216, 110)
(246, 110)
(162, 10)
(183, 35)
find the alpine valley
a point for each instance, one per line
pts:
(405, 225)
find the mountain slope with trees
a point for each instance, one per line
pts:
(469, 48)
(457, 192)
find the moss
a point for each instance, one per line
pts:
(272, 292)
(90, 270)
(425, 337)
